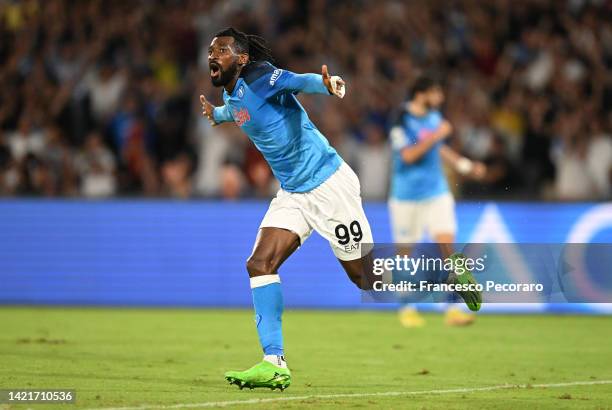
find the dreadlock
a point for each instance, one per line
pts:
(254, 46)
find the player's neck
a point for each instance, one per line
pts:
(417, 108)
(229, 87)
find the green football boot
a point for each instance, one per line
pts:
(263, 374)
(473, 299)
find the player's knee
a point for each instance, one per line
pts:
(360, 280)
(357, 272)
(362, 283)
(260, 266)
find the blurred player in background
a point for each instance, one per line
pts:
(420, 202)
(319, 191)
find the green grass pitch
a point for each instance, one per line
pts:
(172, 357)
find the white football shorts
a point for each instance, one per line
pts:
(333, 209)
(411, 221)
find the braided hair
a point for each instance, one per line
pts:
(254, 46)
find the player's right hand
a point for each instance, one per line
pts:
(479, 172)
(207, 110)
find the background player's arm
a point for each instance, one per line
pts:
(412, 153)
(309, 83)
(461, 164)
(215, 115)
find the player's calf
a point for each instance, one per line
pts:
(272, 247)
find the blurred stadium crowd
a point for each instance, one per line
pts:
(100, 98)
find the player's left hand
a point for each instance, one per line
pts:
(335, 85)
(207, 110)
(479, 170)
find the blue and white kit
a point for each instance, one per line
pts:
(319, 191)
(420, 201)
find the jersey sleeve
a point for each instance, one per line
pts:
(222, 114)
(401, 135)
(279, 81)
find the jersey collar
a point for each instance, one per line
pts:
(236, 88)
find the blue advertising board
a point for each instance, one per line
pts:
(173, 253)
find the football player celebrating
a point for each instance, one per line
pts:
(319, 191)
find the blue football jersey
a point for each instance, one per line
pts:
(263, 104)
(424, 178)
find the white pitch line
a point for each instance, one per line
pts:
(357, 395)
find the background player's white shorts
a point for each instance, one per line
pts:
(412, 220)
(333, 209)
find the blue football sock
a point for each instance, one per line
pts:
(268, 303)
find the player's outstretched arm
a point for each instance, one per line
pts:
(309, 83)
(215, 115)
(464, 166)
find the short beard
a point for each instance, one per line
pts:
(225, 77)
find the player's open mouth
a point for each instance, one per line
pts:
(215, 70)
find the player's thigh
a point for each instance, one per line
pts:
(272, 247)
(441, 220)
(406, 221)
(335, 211)
(282, 230)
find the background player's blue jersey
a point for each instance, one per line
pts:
(264, 105)
(424, 178)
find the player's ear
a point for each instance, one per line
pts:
(243, 59)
